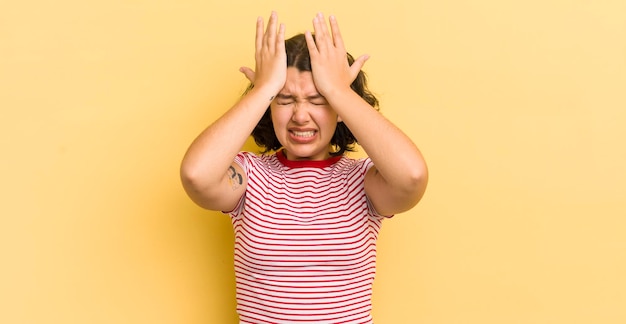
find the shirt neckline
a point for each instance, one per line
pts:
(306, 163)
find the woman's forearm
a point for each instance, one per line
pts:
(212, 152)
(395, 156)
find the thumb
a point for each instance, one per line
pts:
(356, 67)
(248, 72)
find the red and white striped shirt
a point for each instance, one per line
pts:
(305, 241)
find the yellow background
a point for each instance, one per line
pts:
(518, 106)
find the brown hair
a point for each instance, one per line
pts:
(298, 57)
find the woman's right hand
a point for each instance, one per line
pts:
(270, 56)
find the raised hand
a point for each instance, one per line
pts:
(270, 57)
(329, 59)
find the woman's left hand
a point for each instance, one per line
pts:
(329, 58)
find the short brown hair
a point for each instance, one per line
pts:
(298, 56)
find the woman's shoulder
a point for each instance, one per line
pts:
(254, 160)
(348, 163)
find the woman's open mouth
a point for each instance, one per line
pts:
(302, 136)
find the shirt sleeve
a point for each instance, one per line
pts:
(244, 160)
(366, 165)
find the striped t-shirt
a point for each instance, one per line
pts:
(305, 241)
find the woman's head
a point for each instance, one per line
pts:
(298, 57)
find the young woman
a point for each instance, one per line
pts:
(306, 217)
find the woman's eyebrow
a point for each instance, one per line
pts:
(315, 96)
(284, 96)
(290, 96)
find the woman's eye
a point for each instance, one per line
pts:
(284, 103)
(319, 103)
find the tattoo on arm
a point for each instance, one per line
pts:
(234, 178)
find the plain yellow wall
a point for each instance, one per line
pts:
(518, 106)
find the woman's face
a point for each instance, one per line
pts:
(303, 121)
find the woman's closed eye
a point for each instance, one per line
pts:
(291, 102)
(319, 102)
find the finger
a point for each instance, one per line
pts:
(320, 34)
(322, 24)
(259, 34)
(248, 72)
(270, 33)
(356, 67)
(280, 40)
(334, 28)
(310, 43)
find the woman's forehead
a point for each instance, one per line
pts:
(299, 84)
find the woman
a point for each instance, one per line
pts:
(306, 217)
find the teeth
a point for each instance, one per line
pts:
(304, 134)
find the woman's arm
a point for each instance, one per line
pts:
(398, 180)
(208, 173)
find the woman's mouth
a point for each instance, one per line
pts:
(302, 136)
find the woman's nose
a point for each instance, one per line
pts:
(300, 113)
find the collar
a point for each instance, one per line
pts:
(306, 163)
